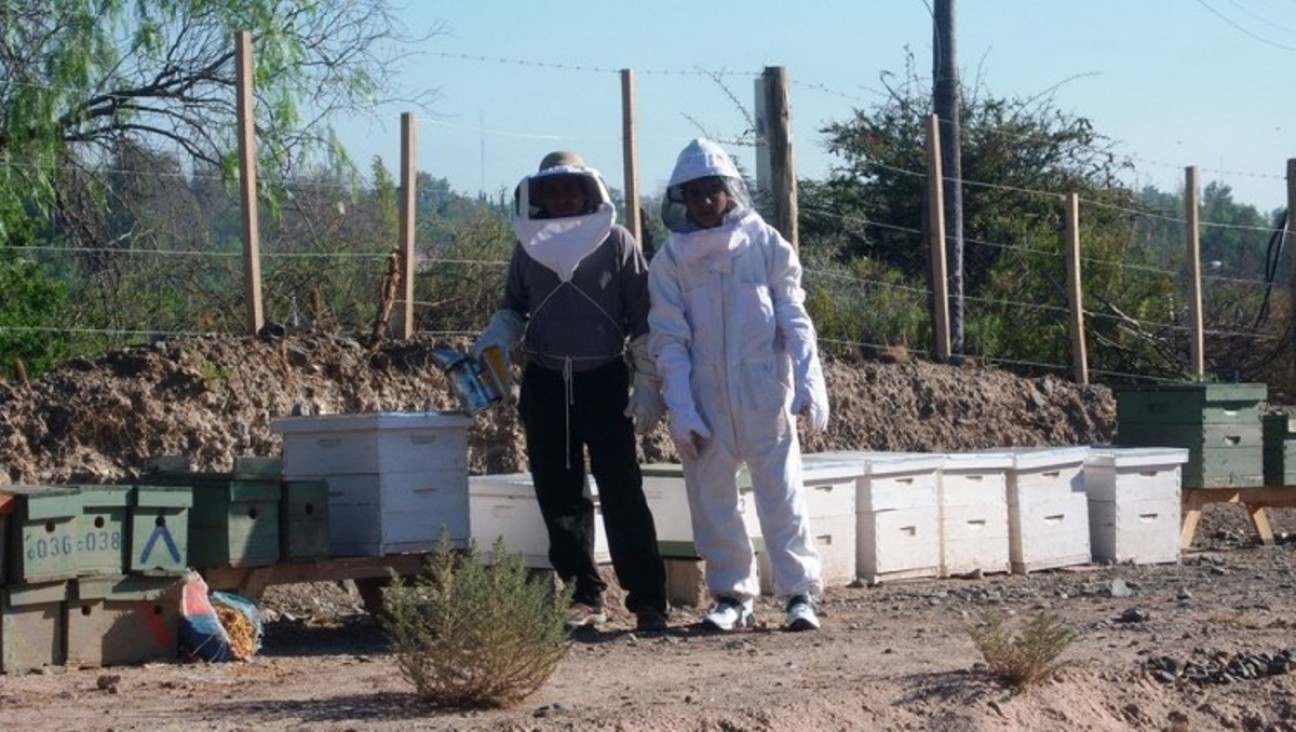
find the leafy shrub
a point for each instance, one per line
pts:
(1026, 658)
(474, 630)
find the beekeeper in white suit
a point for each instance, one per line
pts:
(576, 303)
(736, 351)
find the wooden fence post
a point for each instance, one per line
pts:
(783, 184)
(936, 238)
(408, 199)
(1196, 336)
(1289, 245)
(1075, 293)
(630, 157)
(248, 182)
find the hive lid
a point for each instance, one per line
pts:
(1132, 457)
(964, 461)
(1034, 458)
(370, 421)
(510, 485)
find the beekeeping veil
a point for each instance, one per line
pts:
(702, 158)
(560, 240)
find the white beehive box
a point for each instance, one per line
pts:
(375, 514)
(897, 508)
(1048, 509)
(897, 511)
(505, 506)
(974, 512)
(396, 479)
(663, 485)
(829, 490)
(1134, 503)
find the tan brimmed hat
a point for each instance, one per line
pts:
(564, 158)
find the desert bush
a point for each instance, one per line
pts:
(475, 630)
(1027, 657)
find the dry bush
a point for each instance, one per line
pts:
(474, 630)
(1026, 658)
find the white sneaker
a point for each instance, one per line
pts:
(801, 614)
(730, 614)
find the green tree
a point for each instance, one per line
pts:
(1019, 157)
(80, 76)
(91, 91)
(34, 300)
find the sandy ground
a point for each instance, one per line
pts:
(894, 656)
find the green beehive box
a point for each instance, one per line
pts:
(1219, 425)
(1191, 403)
(6, 509)
(158, 541)
(252, 467)
(1280, 450)
(32, 632)
(101, 534)
(124, 619)
(42, 534)
(234, 523)
(304, 520)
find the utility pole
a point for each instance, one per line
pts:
(945, 103)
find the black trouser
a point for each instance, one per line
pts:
(556, 432)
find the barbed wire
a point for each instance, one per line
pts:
(148, 333)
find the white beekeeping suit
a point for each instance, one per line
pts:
(736, 351)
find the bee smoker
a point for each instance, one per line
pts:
(477, 384)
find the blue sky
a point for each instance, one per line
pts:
(1173, 82)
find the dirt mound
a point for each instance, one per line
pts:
(214, 398)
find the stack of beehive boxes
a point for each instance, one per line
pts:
(897, 513)
(1279, 450)
(1218, 424)
(1048, 509)
(974, 513)
(250, 516)
(88, 574)
(395, 480)
(830, 504)
(1134, 503)
(829, 490)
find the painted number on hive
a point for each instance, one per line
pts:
(54, 546)
(99, 541)
(59, 546)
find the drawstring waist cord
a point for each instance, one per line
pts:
(569, 398)
(569, 391)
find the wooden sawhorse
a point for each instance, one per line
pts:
(1256, 500)
(369, 573)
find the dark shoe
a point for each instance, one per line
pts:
(581, 615)
(650, 620)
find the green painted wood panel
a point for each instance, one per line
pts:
(1196, 403)
(42, 533)
(32, 630)
(123, 620)
(304, 520)
(159, 530)
(101, 532)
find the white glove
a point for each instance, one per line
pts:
(689, 434)
(811, 397)
(504, 331)
(646, 405)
